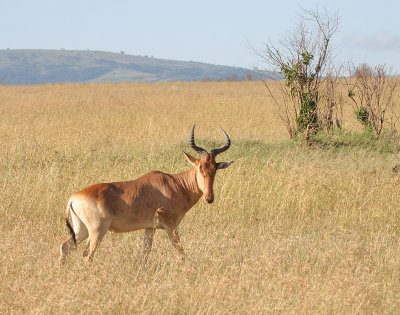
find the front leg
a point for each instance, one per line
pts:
(147, 243)
(176, 242)
(170, 223)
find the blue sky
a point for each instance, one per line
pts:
(212, 31)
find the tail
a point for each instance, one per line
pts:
(70, 229)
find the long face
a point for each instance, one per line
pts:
(207, 166)
(206, 169)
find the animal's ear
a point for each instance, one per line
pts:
(192, 160)
(222, 165)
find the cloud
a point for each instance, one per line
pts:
(383, 41)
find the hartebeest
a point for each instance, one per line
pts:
(154, 201)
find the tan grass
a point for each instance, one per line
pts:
(293, 229)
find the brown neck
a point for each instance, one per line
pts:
(187, 180)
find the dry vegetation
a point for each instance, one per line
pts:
(293, 229)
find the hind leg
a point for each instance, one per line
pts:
(65, 248)
(81, 233)
(147, 243)
(95, 237)
(85, 253)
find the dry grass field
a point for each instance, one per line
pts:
(293, 229)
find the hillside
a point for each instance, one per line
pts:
(58, 66)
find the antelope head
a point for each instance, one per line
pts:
(207, 166)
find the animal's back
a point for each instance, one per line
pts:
(129, 205)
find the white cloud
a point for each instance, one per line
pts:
(383, 41)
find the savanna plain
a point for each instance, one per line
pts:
(293, 228)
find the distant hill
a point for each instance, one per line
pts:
(58, 66)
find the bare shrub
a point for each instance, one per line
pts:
(371, 89)
(303, 59)
(330, 105)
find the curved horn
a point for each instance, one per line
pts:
(193, 145)
(215, 152)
